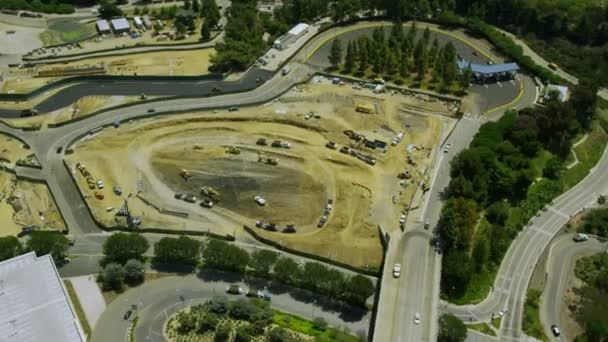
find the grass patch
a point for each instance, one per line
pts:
(66, 31)
(483, 328)
(589, 153)
(538, 164)
(531, 324)
(304, 326)
(496, 322)
(478, 288)
(78, 307)
(132, 329)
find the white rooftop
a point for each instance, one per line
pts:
(298, 29)
(34, 305)
(137, 21)
(102, 25)
(120, 24)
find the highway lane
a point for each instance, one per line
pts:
(156, 300)
(156, 87)
(562, 255)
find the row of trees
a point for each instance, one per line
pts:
(63, 7)
(267, 264)
(120, 248)
(400, 53)
(494, 177)
(40, 242)
(592, 309)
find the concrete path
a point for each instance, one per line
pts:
(90, 297)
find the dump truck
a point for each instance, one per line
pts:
(365, 108)
(233, 150)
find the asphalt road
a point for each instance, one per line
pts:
(156, 300)
(563, 254)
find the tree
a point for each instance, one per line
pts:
(457, 223)
(349, 60)
(244, 333)
(242, 309)
(222, 332)
(221, 255)
(465, 77)
(335, 54)
(481, 253)
(455, 273)
(451, 329)
(186, 322)
(10, 247)
(210, 12)
(178, 251)
(121, 247)
(113, 276)
(218, 306)
(554, 168)
(262, 261)
(136, 11)
(109, 10)
(205, 31)
(196, 8)
(49, 243)
(319, 323)
(286, 271)
(134, 271)
(357, 289)
(187, 4)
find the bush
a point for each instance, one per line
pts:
(242, 309)
(134, 271)
(319, 323)
(218, 305)
(222, 332)
(208, 323)
(278, 335)
(113, 276)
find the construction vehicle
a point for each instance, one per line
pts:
(353, 135)
(233, 150)
(365, 108)
(411, 161)
(261, 142)
(211, 193)
(290, 228)
(331, 145)
(186, 174)
(404, 175)
(99, 195)
(262, 158)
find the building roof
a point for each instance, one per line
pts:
(147, 21)
(137, 21)
(488, 69)
(34, 305)
(102, 25)
(120, 24)
(562, 90)
(298, 29)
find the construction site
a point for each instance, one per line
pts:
(318, 170)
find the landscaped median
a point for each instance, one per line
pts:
(84, 323)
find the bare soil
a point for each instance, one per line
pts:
(146, 158)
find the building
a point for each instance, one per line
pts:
(147, 22)
(103, 27)
(294, 34)
(120, 25)
(34, 304)
(138, 22)
(484, 73)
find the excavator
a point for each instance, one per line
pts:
(186, 174)
(262, 158)
(210, 192)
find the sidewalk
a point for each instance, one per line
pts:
(90, 297)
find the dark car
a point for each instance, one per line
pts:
(217, 89)
(151, 110)
(233, 109)
(207, 203)
(555, 330)
(128, 314)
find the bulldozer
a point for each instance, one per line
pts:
(211, 193)
(186, 174)
(233, 150)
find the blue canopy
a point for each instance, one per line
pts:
(488, 69)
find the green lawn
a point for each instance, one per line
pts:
(78, 307)
(496, 322)
(299, 324)
(538, 163)
(588, 153)
(66, 31)
(531, 324)
(478, 289)
(483, 328)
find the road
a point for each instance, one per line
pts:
(563, 254)
(156, 300)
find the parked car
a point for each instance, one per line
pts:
(580, 237)
(427, 223)
(260, 200)
(127, 314)
(190, 198)
(217, 89)
(179, 195)
(207, 203)
(234, 289)
(99, 184)
(416, 318)
(397, 270)
(447, 147)
(117, 190)
(555, 330)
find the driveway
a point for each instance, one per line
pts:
(155, 301)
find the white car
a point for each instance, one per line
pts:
(99, 184)
(447, 147)
(416, 318)
(427, 223)
(397, 270)
(260, 200)
(580, 237)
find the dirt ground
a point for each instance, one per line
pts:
(25, 203)
(153, 152)
(23, 40)
(83, 107)
(11, 150)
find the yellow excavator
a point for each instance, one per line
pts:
(186, 174)
(210, 192)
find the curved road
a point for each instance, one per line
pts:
(562, 255)
(156, 300)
